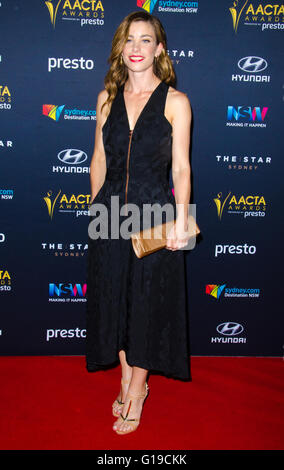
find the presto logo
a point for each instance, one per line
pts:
(234, 250)
(59, 63)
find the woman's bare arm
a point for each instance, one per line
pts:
(98, 162)
(180, 114)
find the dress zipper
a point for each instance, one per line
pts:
(127, 167)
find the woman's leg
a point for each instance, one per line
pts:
(126, 374)
(136, 387)
(126, 370)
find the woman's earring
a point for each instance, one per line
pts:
(121, 59)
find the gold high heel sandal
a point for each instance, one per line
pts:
(133, 422)
(120, 403)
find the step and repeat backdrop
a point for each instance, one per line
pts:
(228, 57)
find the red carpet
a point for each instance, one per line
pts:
(51, 403)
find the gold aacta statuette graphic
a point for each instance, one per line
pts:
(235, 15)
(220, 206)
(52, 11)
(49, 203)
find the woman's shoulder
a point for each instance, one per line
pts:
(102, 111)
(102, 96)
(178, 103)
(178, 97)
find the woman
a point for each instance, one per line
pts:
(136, 308)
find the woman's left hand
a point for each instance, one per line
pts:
(178, 236)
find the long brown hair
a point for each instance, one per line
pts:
(117, 73)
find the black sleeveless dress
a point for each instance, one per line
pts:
(138, 305)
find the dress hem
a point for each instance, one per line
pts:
(95, 367)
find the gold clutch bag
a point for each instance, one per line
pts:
(155, 238)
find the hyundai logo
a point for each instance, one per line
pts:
(72, 156)
(252, 64)
(230, 329)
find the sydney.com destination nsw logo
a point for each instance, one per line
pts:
(84, 12)
(221, 290)
(55, 112)
(168, 6)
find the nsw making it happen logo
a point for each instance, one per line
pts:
(246, 116)
(66, 292)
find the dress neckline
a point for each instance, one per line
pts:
(143, 109)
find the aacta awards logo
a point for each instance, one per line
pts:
(5, 280)
(5, 97)
(53, 8)
(76, 205)
(248, 206)
(268, 16)
(236, 12)
(87, 12)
